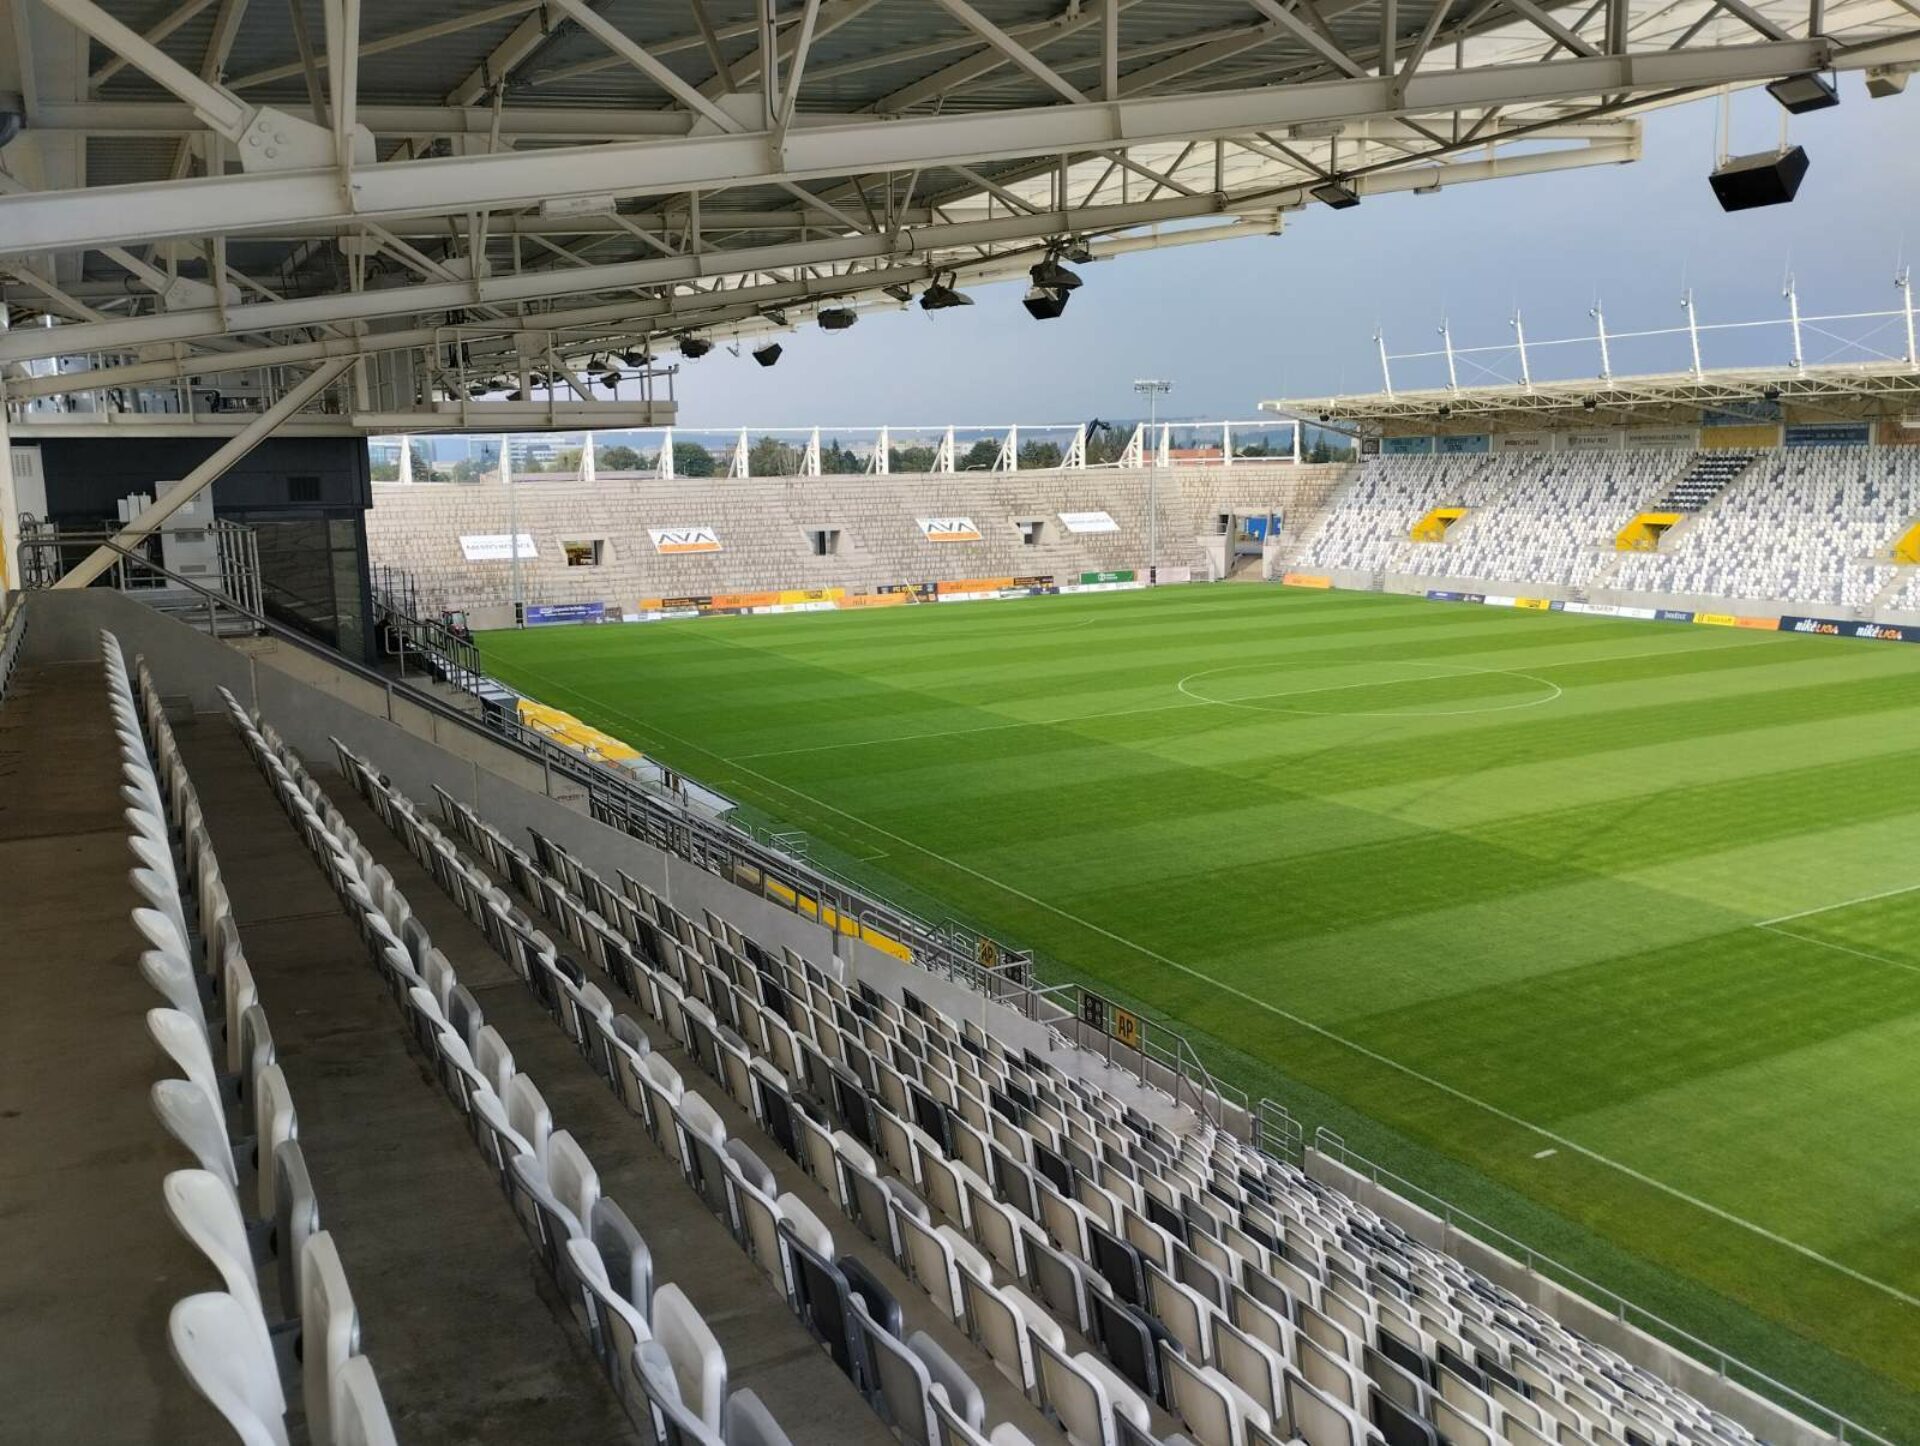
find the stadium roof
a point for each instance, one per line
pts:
(1844, 392)
(575, 175)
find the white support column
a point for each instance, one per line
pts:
(1793, 317)
(943, 454)
(589, 467)
(1163, 446)
(1520, 340)
(883, 454)
(1599, 315)
(406, 459)
(9, 512)
(1133, 454)
(1297, 429)
(665, 467)
(1076, 457)
(810, 461)
(1386, 372)
(739, 466)
(1693, 330)
(1009, 458)
(1446, 342)
(203, 476)
(1905, 282)
(1226, 444)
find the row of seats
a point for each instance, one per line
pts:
(229, 1104)
(915, 1384)
(659, 1353)
(1813, 526)
(1254, 1302)
(1557, 525)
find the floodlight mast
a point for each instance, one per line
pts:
(1153, 387)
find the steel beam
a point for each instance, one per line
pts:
(456, 185)
(204, 476)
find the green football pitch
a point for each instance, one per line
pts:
(1606, 931)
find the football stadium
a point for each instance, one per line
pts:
(1391, 917)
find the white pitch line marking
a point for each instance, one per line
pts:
(1844, 903)
(1805, 1251)
(1842, 948)
(1458, 670)
(1542, 1154)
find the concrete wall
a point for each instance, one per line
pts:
(762, 525)
(1768, 1421)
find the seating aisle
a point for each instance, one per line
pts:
(92, 1264)
(767, 1350)
(472, 1343)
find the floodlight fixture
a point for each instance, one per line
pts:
(837, 318)
(1053, 276)
(1078, 252)
(692, 347)
(640, 358)
(1336, 194)
(1770, 394)
(1806, 91)
(940, 296)
(1044, 303)
(767, 355)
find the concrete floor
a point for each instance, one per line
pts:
(91, 1264)
(469, 1339)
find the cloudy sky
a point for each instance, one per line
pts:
(1235, 322)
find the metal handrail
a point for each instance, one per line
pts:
(1328, 1143)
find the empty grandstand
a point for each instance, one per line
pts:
(530, 921)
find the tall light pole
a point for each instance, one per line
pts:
(1153, 387)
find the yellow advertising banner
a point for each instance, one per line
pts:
(1537, 604)
(1717, 620)
(1305, 579)
(976, 584)
(874, 600)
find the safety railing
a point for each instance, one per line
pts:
(1331, 1145)
(13, 629)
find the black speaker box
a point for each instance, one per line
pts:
(1771, 178)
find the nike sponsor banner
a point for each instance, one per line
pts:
(680, 541)
(1088, 522)
(949, 529)
(1851, 628)
(497, 547)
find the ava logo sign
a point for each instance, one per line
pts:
(675, 541)
(949, 529)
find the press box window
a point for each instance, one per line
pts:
(585, 554)
(1032, 531)
(823, 541)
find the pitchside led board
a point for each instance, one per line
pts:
(1110, 1019)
